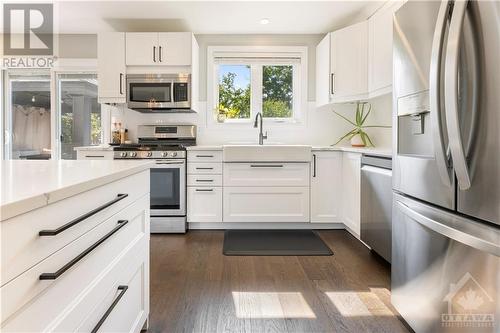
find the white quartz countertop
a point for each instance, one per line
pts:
(371, 150)
(28, 185)
(211, 147)
(94, 148)
(365, 150)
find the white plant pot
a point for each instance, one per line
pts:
(356, 141)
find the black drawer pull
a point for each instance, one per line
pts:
(204, 155)
(94, 156)
(266, 165)
(205, 180)
(204, 190)
(81, 218)
(122, 290)
(60, 271)
(204, 168)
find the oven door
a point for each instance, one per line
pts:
(168, 188)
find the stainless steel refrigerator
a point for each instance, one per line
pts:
(446, 171)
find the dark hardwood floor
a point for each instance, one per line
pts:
(195, 288)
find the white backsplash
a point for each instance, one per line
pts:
(321, 125)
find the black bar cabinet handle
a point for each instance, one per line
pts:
(60, 271)
(101, 321)
(154, 53)
(314, 165)
(204, 190)
(204, 155)
(199, 168)
(94, 156)
(159, 54)
(81, 218)
(266, 165)
(204, 180)
(121, 83)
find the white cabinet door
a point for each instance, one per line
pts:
(380, 28)
(326, 186)
(111, 67)
(204, 204)
(323, 72)
(175, 48)
(266, 204)
(349, 63)
(351, 194)
(266, 174)
(142, 48)
(94, 155)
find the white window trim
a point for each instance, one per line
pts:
(299, 93)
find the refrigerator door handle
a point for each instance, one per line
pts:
(451, 94)
(451, 231)
(435, 95)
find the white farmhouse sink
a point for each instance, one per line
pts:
(266, 153)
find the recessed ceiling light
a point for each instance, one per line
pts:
(264, 21)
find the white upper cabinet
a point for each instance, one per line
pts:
(142, 48)
(349, 63)
(323, 72)
(175, 48)
(159, 49)
(326, 186)
(342, 65)
(111, 67)
(380, 49)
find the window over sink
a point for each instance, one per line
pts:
(243, 81)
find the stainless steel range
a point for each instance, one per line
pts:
(167, 145)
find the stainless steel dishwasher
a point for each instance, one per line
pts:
(376, 204)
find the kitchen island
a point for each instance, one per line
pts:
(74, 245)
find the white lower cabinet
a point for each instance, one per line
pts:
(326, 187)
(351, 194)
(266, 204)
(204, 204)
(204, 186)
(94, 154)
(82, 263)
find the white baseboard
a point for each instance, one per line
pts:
(262, 225)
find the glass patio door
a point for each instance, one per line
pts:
(79, 113)
(28, 116)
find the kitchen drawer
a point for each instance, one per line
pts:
(204, 156)
(266, 174)
(28, 296)
(204, 168)
(266, 204)
(204, 180)
(21, 245)
(94, 154)
(126, 283)
(204, 204)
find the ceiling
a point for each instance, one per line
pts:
(210, 17)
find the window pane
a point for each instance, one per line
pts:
(30, 117)
(234, 91)
(80, 113)
(277, 91)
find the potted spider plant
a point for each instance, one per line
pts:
(357, 136)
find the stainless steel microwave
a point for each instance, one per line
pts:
(159, 92)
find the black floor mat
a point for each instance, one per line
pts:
(274, 243)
